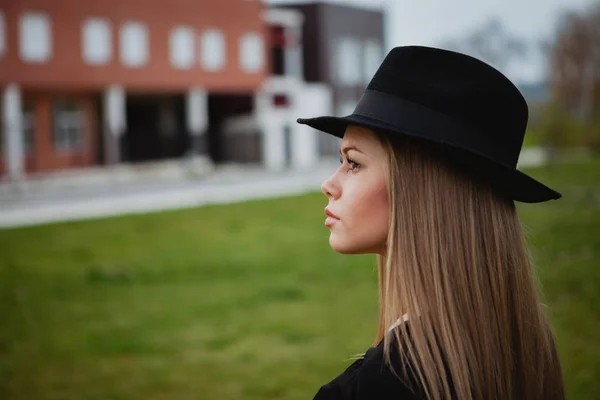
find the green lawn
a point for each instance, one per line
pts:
(244, 301)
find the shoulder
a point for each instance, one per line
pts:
(373, 378)
(378, 379)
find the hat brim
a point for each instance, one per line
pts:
(510, 182)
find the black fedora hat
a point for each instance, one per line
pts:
(452, 101)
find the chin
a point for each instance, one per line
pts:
(347, 247)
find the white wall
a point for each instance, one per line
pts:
(313, 100)
(306, 100)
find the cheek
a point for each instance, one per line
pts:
(365, 225)
(370, 210)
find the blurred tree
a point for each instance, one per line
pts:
(574, 61)
(491, 43)
(557, 129)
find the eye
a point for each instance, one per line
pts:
(353, 165)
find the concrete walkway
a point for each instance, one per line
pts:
(77, 198)
(230, 185)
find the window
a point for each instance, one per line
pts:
(28, 127)
(281, 101)
(373, 56)
(97, 41)
(134, 44)
(252, 55)
(69, 126)
(212, 51)
(2, 34)
(347, 62)
(182, 47)
(35, 37)
(277, 44)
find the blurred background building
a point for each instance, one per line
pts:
(88, 84)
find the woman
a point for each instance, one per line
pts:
(428, 183)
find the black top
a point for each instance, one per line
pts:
(371, 378)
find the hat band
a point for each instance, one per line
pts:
(430, 124)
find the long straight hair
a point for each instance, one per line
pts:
(456, 263)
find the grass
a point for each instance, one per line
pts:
(244, 301)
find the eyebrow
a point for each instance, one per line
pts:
(346, 149)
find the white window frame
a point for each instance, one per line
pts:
(213, 50)
(182, 47)
(96, 41)
(68, 129)
(134, 44)
(35, 37)
(252, 52)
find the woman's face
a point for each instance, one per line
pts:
(357, 193)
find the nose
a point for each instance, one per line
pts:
(330, 189)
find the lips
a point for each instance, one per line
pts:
(330, 214)
(331, 218)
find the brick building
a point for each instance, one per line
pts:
(127, 81)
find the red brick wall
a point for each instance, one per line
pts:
(67, 69)
(67, 72)
(44, 157)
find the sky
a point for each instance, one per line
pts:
(433, 22)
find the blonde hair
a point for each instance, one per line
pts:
(456, 263)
